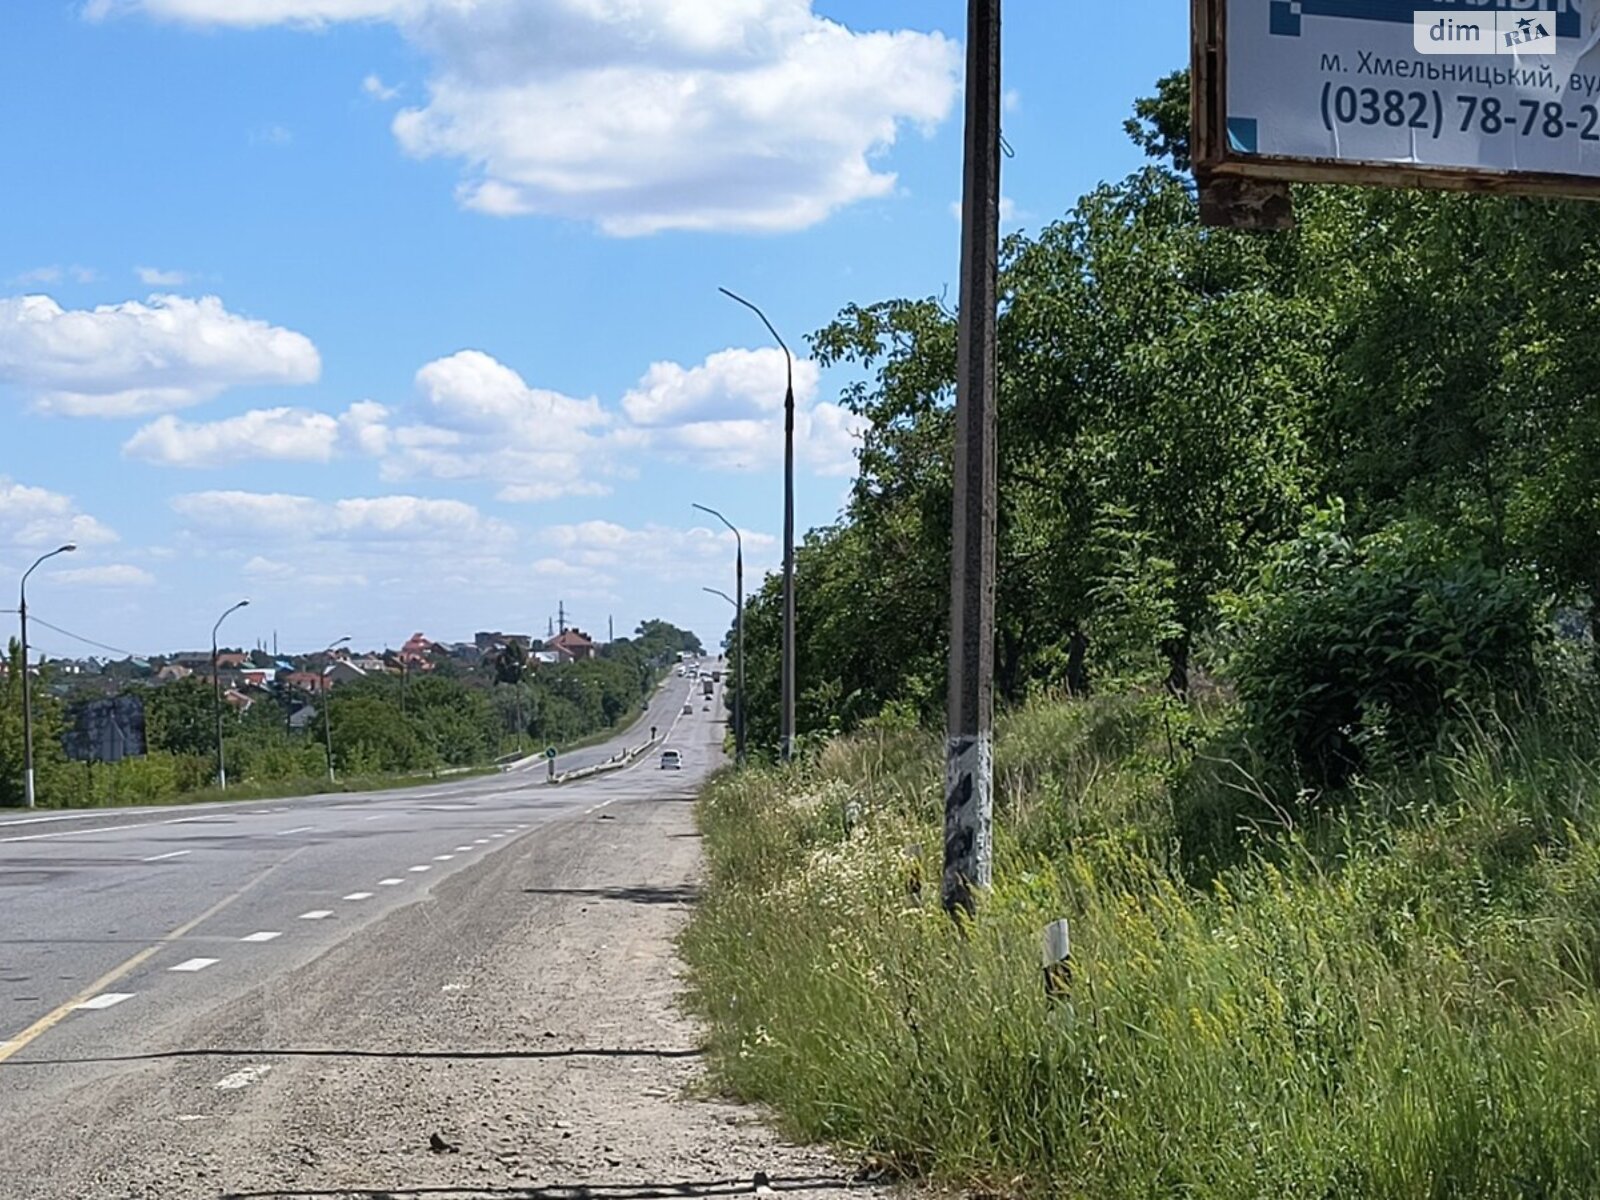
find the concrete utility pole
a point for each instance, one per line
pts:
(969, 760)
(27, 697)
(216, 695)
(738, 630)
(786, 723)
(327, 702)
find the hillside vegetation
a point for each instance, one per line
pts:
(1297, 588)
(1390, 997)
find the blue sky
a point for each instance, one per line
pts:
(393, 315)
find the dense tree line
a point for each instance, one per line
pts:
(1405, 385)
(448, 717)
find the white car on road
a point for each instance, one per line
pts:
(671, 760)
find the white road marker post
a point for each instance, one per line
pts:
(1057, 959)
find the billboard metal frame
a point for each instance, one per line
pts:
(1259, 181)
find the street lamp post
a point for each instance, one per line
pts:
(327, 704)
(738, 630)
(216, 695)
(738, 699)
(27, 701)
(786, 728)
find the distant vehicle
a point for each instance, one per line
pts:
(671, 760)
(705, 708)
(707, 685)
(716, 677)
(680, 670)
(688, 710)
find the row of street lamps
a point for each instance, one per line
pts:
(216, 688)
(786, 716)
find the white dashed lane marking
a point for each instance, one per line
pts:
(164, 857)
(194, 964)
(480, 841)
(106, 1000)
(359, 896)
(390, 882)
(421, 868)
(264, 936)
(463, 849)
(241, 1079)
(296, 829)
(316, 914)
(443, 857)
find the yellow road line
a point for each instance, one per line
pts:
(53, 1018)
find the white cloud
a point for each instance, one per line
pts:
(377, 519)
(55, 274)
(155, 277)
(727, 413)
(111, 575)
(600, 551)
(268, 568)
(363, 426)
(272, 135)
(729, 383)
(35, 516)
(268, 572)
(476, 418)
(645, 115)
(374, 86)
(270, 434)
(132, 359)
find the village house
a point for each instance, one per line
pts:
(575, 643)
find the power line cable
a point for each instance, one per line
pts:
(86, 641)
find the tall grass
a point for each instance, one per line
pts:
(1397, 998)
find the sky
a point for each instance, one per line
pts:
(402, 315)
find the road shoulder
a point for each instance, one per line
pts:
(517, 1034)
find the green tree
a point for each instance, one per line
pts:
(180, 717)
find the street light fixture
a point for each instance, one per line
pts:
(216, 694)
(27, 703)
(327, 703)
(738, 630)
(738, 696)
(786, 725)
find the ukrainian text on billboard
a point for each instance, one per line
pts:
(1500, 85)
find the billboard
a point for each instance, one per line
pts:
(1485, 95)
(106, 730)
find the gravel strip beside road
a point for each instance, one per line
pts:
(523, 1021)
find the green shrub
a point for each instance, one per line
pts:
(1349, 653)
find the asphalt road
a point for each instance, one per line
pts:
(121, 929)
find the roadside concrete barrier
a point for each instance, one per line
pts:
(615, 763)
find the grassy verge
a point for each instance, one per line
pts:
(276, 789)
(1396, 1000)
